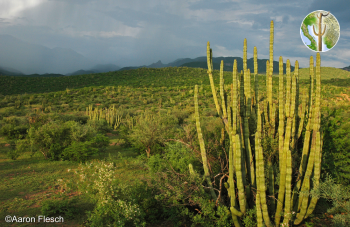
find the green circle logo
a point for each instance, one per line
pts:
(320, 31)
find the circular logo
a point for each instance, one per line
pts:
(320, 31)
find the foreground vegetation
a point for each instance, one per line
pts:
(127, 153)
(26, 190)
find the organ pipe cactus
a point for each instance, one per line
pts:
(244, 124)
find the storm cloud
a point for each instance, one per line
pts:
(137, 32)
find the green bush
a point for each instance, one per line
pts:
(151, 131)
(11, 131)
(175, 155)
(67, 141)
(249, 218)
(13, 153)
(117, 204)
(339, 195)
(63, 207)
(81, 151)
(14, 127)
(100, 125)
(78, 151)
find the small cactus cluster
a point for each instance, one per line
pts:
(248, 125)
(110, 115)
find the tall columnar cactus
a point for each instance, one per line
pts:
(247, 153)
(320, 33)
(202, 146)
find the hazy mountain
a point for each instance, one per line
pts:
(103, 68)
(201, 62)
(44, 75)
(179, 62)
(37, 59)
(80, 72)
(100, 68)
(346, 68)
(158, 64)
(6, 71)
(228, 64)
(132, 67)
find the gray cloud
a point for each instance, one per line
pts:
(137, 32)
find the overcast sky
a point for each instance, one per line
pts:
(141, 32)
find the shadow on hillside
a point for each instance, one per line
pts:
(337, 82)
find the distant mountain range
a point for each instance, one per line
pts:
(201, 62)
(346, 68)
(25, 59)
(96, 69)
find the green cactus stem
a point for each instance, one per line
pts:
(202, 146)
(280, 111)
(239, 174)
(210, 72)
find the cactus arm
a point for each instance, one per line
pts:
(244, 55)
(303, 197)
(260, 169)
(222, 90)
(302, 116)
(258, 200)
(267, 119)
(202, 146)
(287, 151)
(210, 70)
(255, 76)
(239, 174)
(258, 210)
(313, 27)
(269, 88)
(315, 120)
(317, 166)
(234, 98)
(283, 170)
(295, 103)
(306, 145)
(192, 172)
(271, 187)
(317, 173)
(281, 112)
(246, 114)
(263, 189)
(271, 46)
(241, 131)
(318, 92)
(231, 187)
(255, 61)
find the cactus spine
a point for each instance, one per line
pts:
(245, 155)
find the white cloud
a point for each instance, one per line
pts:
(224, 52)
(122, 31)
(13, 8)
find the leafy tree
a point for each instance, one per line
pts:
(151, 131)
